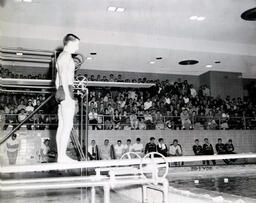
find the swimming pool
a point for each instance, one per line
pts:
(242, 185)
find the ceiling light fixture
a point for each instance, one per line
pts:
(120, 10)
(193, 18)
(208, 66)
(188, 62)
(112, 8)
(89, 58)
(198, 18)
(152, 62)
(115, 9)
(159, 58)
(201, 18)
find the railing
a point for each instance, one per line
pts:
(107, 122)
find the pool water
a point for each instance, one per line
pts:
(242, 185)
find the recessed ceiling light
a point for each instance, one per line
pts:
(193, 18)
(152, 62)
(120, 10)
(27, 1)
(188, 62)
(93, 53)
(201, 18)
(249, 15)
(217, 62)
(198, 18)
(159, 58)
(208, 66)
(89, 58)
(111, 8)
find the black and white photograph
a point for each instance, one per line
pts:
(127, 101)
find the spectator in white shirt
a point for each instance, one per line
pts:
(138, 147)
(119, 149)
(176, 150)
(93, 119)
(29, 107)
(44, 151)
(128, 146)
(193, 91)
(93, 151)
(13, 146)
(147, 104)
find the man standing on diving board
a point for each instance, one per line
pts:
(64, 96)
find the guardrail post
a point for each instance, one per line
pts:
(106, 193)
(144, 194)
(93, 195)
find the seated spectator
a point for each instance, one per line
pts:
(38, 123)
(151, 146)
(117, 120)
(235, 122)
(229, 147)
(176, 150)
(128, 146)
(93, 119)
(119, 78)
(44, 151)
(29, 108)
(220, 148)
(142, 125)
(147, 104)
(185, 121)
(192, 91)
(93, 151)
(125, 121)
(201, 121)
(110, 109)
(137, 147)
(21, 105)
(22, 116)
(176, 120)
(162, 147)
(134, 121)
(10, 120)
(13, 146)
(224, 121)
(119, 149)
(106, 151)
(198, 149)
(148, 120)
(159, 121)
(208, 150)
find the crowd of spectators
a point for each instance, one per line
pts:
(174, 105)
(6, 73)
(117, 150)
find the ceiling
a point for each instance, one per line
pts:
(128, 41)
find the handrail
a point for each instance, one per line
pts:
(164, 120)
(124, 162)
